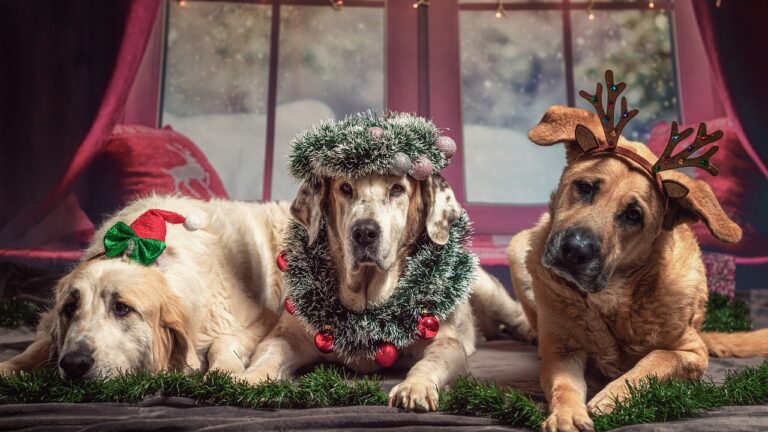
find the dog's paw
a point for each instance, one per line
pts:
(255, 377)
(568, 419)
(414, 396)
(604, 401)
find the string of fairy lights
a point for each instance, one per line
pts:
(500, 11)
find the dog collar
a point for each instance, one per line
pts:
(435, 280)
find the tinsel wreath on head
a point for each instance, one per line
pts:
(435, 278)
(369, 143)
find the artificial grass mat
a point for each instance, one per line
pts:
(326, 386)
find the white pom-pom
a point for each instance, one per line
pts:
(193, 222)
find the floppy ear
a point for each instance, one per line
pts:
(698, 204)
(441, 207)
(577, 128)
(174, 349)
(307, 207)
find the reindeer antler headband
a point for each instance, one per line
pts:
(667, 161)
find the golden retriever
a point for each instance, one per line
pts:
(373, 222)
(205, 303)
(610, 276)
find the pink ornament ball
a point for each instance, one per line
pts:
(376, 132)
(447, 146)
(401, 164)
(422, 168)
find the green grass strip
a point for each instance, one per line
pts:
(649, 401)
(325, 386)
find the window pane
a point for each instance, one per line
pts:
(331, 64)
(512, 71)
(215, 92)
(637, 45)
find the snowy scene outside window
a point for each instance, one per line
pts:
(330, 64)
(514, 67)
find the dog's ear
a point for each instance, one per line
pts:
(579, 129)
(442, 209)
(698, 204)
(173, 347)
(307, 207)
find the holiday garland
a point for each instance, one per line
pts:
(434, 281)
(368, 143)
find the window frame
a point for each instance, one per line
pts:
(411, 85)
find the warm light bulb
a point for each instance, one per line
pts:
(415, 5)
(651, 5)
(591, 16)
(182, 3)
(498, 14)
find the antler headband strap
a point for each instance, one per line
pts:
(684, 158)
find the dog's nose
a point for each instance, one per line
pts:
(76, 364)
(365, 232)
(578, 247)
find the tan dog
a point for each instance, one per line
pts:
(609, 276)
(207, 301)
(373, 222)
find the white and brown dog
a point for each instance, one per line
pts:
(206, 302)
(373, 222)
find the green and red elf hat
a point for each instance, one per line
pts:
(144, 239)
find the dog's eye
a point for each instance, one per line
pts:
(122, 309)
(632, 216)
(69, 309)
(397, 190)
(346, 189)
(584, 188)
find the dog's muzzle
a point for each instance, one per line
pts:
(365, 240)
(575, 255)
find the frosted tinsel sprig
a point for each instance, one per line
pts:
(368, 143)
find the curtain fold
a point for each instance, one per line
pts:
(735, 39)
(73, 67)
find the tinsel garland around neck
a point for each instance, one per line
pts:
(435, 279)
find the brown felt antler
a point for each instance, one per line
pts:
(584, 136)
(683, 158)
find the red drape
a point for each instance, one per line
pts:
(735, 39)
(76, 63)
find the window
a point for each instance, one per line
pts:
(541, 54)
(242, 77)
(224, 90)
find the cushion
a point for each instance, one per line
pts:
(163, 161)
(739, 186)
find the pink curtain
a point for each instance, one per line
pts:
(735, 39)
(94, 56)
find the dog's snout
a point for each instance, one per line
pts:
(578, 247)
(366, 232)
(76, 364)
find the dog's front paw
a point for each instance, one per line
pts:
(255, 377)
(604, 401)
(414, 395)
(568, 419)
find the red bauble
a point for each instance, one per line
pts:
(428, 326)
(324, 341)
(386, 355)
(282, 263)
(288, 305)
